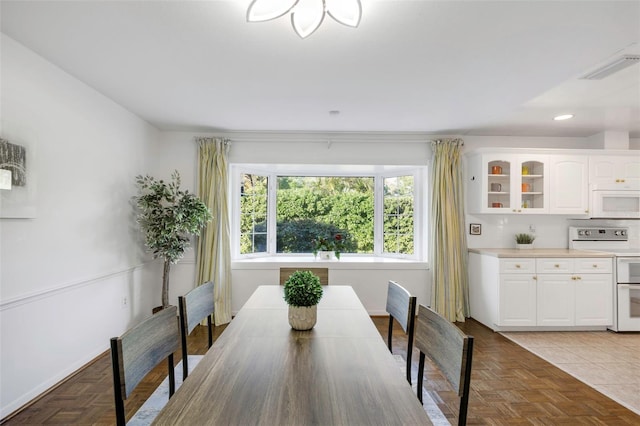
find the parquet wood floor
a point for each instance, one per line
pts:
(509, 386)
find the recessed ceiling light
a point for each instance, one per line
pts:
(563, 117)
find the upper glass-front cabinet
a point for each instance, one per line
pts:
(508, 183)
(533, 178)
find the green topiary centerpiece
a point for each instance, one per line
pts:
(302, 292)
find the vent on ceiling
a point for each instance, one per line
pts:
(612, 67)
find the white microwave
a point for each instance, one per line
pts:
(615, 203)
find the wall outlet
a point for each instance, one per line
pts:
(124, 301)
(532, 228)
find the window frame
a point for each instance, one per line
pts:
(377, 172)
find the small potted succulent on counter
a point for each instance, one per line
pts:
(524, 241)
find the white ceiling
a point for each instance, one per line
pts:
(440, 67)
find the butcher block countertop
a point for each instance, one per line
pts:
(497, 252)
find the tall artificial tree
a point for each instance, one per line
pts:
(168, 217)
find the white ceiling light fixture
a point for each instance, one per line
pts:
(306, 15)
(612, 67)
(563, 117)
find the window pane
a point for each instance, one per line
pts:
(312, 207)
(253, 214)
(398, 215)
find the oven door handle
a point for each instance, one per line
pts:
(628, 260)
(631, 286)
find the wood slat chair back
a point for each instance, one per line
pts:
(323, 273)
(401, 306)
(449, 349)
(139, 350)
(195, 306)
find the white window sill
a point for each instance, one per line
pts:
(345, 262)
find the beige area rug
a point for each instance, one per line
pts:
(608, 362)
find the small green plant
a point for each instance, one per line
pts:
(335, 244)
(525, 238)
(302, 289)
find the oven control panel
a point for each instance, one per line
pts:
(598, 234)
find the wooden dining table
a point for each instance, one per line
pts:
(261, 372)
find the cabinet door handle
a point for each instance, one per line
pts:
(586, 211)
(556, 265)
(595, 266)
(517, 266)
(535, 278)
(573, 278)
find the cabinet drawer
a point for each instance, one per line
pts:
(552, 265)
(593, 265)
(518, 265)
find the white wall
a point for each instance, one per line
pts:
(64, 274)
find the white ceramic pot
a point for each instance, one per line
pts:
(303, 317)
(524, 246)
(326, 255)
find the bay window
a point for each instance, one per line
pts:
(375, 210)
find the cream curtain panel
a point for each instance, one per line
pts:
(448, 244)
(214, 244)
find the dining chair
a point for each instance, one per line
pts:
(323, 273)
(449, 349)
(195, 306)
(139, 350)
(401, 306)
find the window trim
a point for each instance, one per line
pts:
(378, 172)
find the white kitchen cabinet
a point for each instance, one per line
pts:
(533, 293)
(621, 171)
(556, 300)
(508, 183)
(569, 189)
(594, 299)
(517, 300)
(594, 290)
(574, 291)
(517, 292)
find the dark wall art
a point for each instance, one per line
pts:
(14, 158)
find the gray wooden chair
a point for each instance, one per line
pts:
(401, 306)
(322, 273)
(139, 350)
(195, 306)
(449, 349)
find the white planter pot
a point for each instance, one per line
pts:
(326, 255)
(524, 246)
(303, 317)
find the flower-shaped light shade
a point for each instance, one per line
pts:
(265, 10)
(306, 15)
(344, 11)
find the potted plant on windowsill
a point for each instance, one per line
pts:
(326, 248)
(524, 241)
(302, 292)
(168, 217)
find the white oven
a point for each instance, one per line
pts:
(628, 294)
(626, 286)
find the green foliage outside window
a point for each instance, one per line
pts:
(311, 207)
